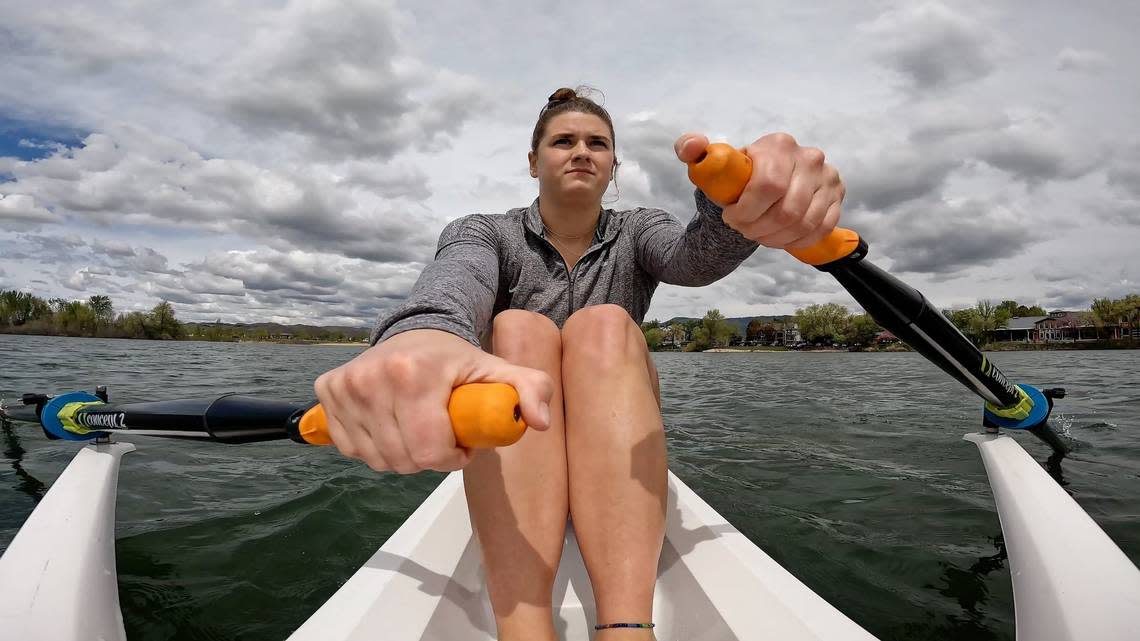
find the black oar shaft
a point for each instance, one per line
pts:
(231, 418)
(904, 311)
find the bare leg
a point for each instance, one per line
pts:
(518, 495)
(616, 461)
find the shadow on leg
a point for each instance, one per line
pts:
(617, 462)
(518, 494)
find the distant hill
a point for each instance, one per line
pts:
(358, 333)
(740, 322)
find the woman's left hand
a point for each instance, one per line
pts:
(791, 201)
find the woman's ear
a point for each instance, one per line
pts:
(533, 160)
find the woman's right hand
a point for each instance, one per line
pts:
(388, 406)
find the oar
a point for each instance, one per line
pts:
(722, 172)
(482, 415)
(486, 419)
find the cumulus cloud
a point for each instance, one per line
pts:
(21, 211)
(932, 46)
(1036, 148)
(76, 40)
(336, 77)
(89, 278)
(953, 236)
(130, 175)
(336, 74)
(651, 172)
(297, 285)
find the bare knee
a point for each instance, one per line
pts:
(518, 332)
(603, 336)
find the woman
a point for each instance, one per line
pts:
(559, 290)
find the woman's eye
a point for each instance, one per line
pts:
(600, 144)
(559, 141)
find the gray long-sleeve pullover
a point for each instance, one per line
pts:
(485, 264)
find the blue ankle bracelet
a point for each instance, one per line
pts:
(606, 626)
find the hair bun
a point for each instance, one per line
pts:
(562, 95)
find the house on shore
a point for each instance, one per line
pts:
(1059, 327)
(1067, 327)
(1022, 329)
(885, 337)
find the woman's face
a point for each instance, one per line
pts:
(575, 157)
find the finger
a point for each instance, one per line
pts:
(817, 224)
(428, 437)
(772, 172)
(690, 146)
(804, 211)
(349, 430)
(777, 223)
(384, 435)
(805, 183)
(535, 388)
(369, 454)
(363, 415)
(324, 388)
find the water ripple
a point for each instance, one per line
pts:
(849, 469)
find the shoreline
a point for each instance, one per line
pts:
(896, 348)
(1102, 345)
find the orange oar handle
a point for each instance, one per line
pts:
(482, 415)
(722, 173)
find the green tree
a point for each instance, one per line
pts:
(1131, 305)
(75, 318)
(754, 331)
(861, 330)
(964, 320)
(653, 336)
(134, 325)
(984, 321)
(102, 308)
(163, 323)
(719, 330)
(822, 323)
(1106, 313)
(690, 327)
(699, 340)
(677, 333)
(17, 308)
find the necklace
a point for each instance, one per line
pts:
(555, 234)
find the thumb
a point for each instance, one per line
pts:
(535, 388)
(690, 146)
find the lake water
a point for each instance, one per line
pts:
(848, 469)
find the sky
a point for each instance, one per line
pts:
(295, 161)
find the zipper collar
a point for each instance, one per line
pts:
(602, 233)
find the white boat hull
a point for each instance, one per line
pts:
(58, 574)
(426, 583)
(1070, 581)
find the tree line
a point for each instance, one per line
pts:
(24, 313)
(828, 324)
(979, 322)
(833, 324)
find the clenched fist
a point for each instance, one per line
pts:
(793, 198)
